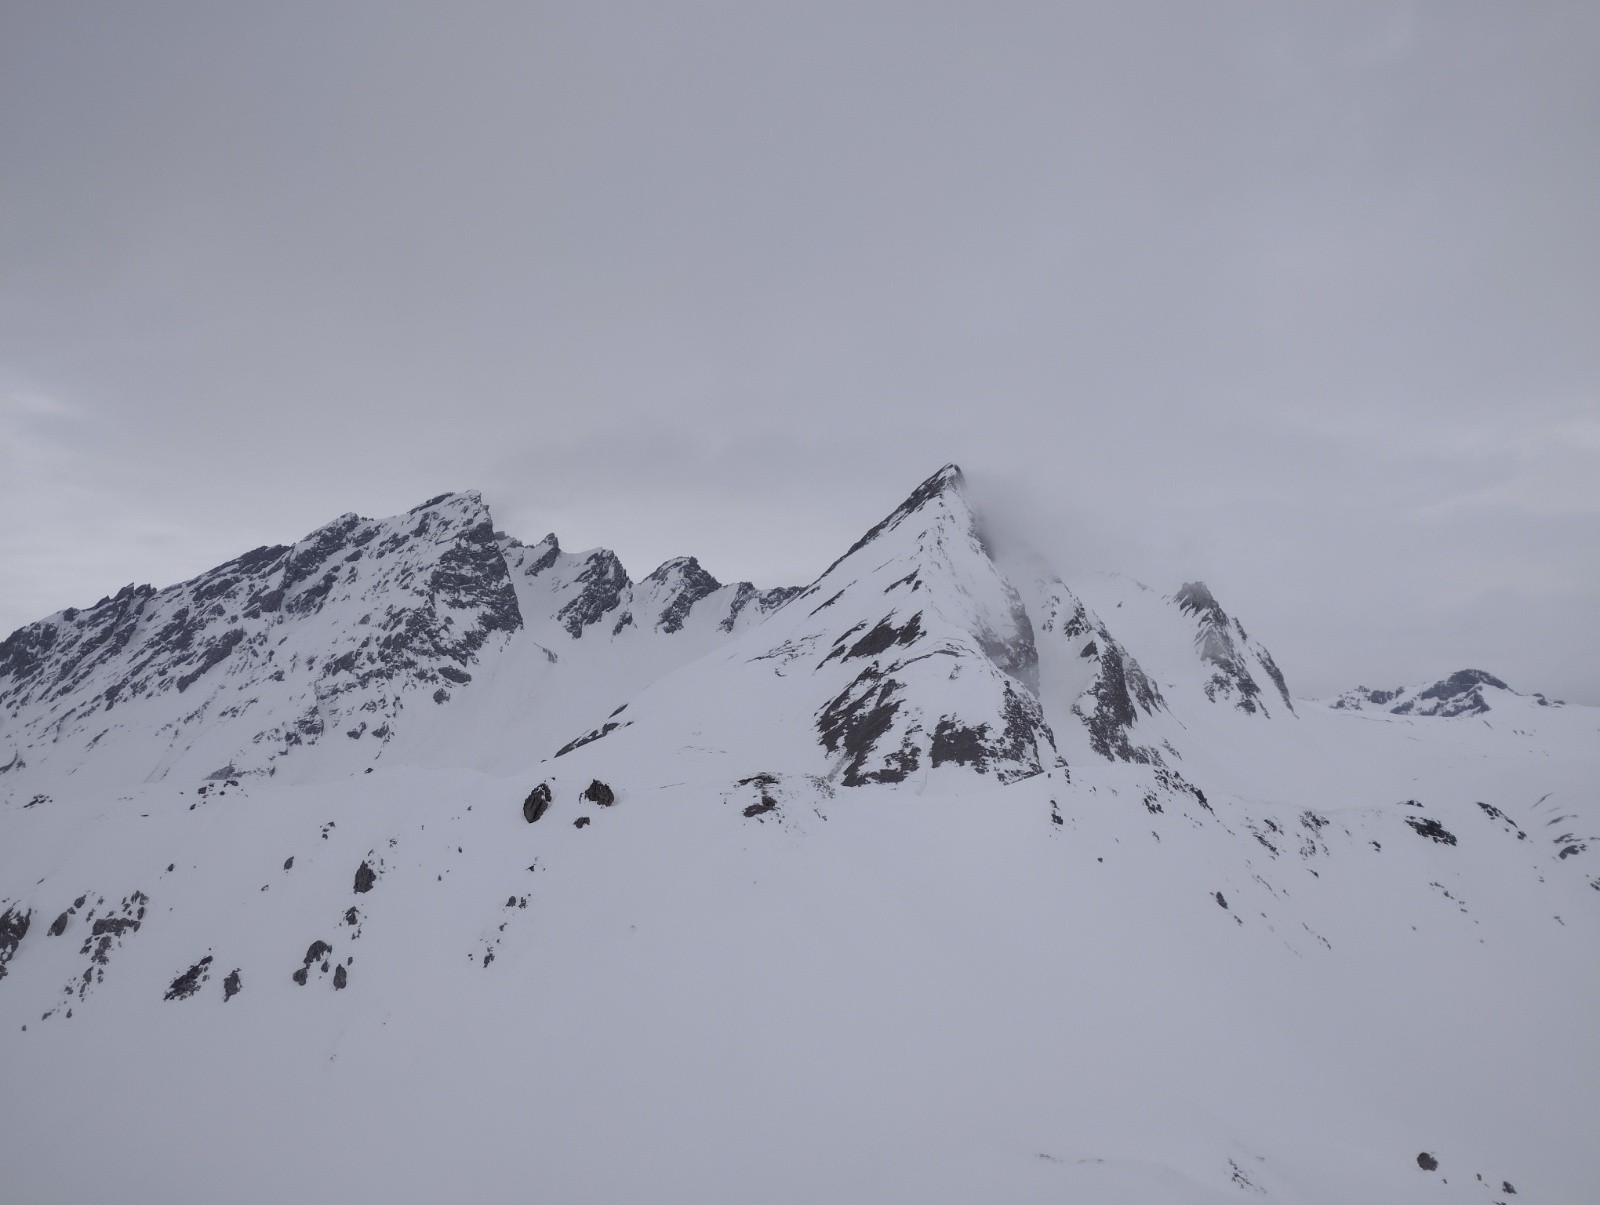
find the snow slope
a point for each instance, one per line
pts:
(937, 880)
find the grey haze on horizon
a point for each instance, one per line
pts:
(1301, 300)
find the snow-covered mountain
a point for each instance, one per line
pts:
(413, 861)
(363, 638)
(1465, 692)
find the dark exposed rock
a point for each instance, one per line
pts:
(587, 738)
(1510, 825)
(599, 794)
(216, 653)
(1222, 901)
(1276, 674)
(953, 742)
(581, 822)
(13, 928)
(828, 602)
(1378, 697)
(881, 638)
(1119, 693)
(1011, 753)
(232, 985)
(1218, 639)
(59, 925)
(688, 582)
(1176, 784)
(550, 555)
(603, 581)
(316, 952)
(854, 720)
(744, 593)
(106, 935)
(365, 878)
(1214, 642)
(537, 803)
(190, 982)
(767, 804)
(1459, 694)
(1462, 679)
(1431, 829)
(471, 575)
(1427, 1162)
(288, 863)
(339, 978)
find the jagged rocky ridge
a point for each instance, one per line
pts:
(317, 657)
(352, 633)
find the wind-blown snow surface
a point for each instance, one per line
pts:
(1111, 937)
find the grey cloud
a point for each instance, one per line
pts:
(1301, 300)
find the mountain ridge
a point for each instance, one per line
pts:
(937, 879)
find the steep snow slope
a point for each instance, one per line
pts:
(1086, 930)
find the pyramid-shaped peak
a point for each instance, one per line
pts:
(944, 487)
(948, 480)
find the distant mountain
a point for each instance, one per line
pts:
(412, 862)
(1465, 692)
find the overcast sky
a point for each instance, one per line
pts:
(1303, 299)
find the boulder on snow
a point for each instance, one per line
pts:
(537, 803)
(600, 794)
(365, 878)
